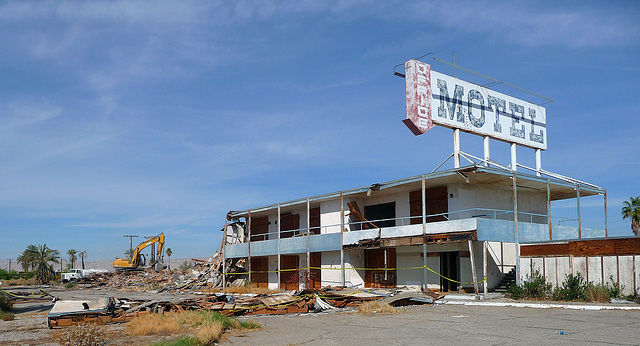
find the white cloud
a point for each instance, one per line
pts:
(535, 24)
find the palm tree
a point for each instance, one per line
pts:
(169, 252)
(43, 257)
(83, 255)
(26, 259)
(631, 209)
(72, 257)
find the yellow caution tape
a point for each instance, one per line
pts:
(42, 294)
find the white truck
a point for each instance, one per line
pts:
(77, 274)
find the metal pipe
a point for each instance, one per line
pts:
(342, 278)
(549, 221)
(308, 281)
(279, 264)
(485, 141)
(473, 269)
(606, 216)
(485, 283)
(579, 213)
(224, 266)
(514, 161)
(515, 224)
(424, 238)
(249, 243)
(538, 162)
(456, 148)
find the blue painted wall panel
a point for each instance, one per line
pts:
(293, 245)
(264, 248)
(325, 242)
(236, 250)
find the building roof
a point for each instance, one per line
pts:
(474, 175)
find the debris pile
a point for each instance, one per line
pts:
(111, 310)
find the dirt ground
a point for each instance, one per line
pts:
(29, 326)
(441, 323)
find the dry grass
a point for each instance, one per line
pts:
(375, 307)
(210, 333)
(597, 293)
(206, 326)
(19, 282)
(87, 334)
(154, 324)
(6, 316)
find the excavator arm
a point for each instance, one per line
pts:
(134, 261)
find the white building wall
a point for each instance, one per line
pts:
(354, 259)
(595, 270)
(409, 257)
(624, 270)
(330, 274)
(465, 197)
(330, 216)
(273, 276)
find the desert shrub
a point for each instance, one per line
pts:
(86, 334)
(515, 292)
(6, 316)
(6, 303)
(597, 293)
(614, 289)
(573, 288)
(537, 287)
(13, 275)
(375, 307)
(603, 293)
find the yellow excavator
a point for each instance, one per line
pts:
(137, 258)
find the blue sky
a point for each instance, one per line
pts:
(121, 117)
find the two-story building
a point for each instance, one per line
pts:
(431, 231)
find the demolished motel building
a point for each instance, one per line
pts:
(449, 230)
(444, 231)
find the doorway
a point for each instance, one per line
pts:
(259, 269)
(289, 276)
(380, 259)
(315, 279)
(449, 268)
(385, 212)
(437, 204)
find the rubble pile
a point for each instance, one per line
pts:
(111, 310)
(202, 276)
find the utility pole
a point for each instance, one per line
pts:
(9, 264)
(130, 242)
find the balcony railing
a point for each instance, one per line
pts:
(494, 214)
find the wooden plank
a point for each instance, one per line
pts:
(598, 247)
(544, 250)
(591, 247)
(627, 246)
(404, 241)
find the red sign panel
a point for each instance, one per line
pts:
(418, 93)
